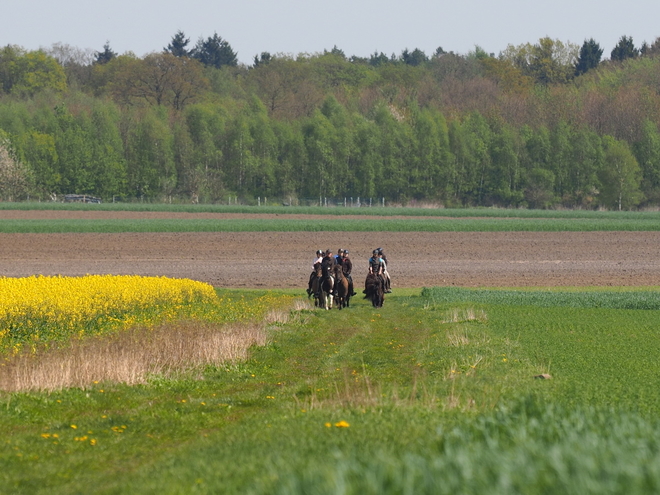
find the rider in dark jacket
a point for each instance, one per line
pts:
(312, 276)
(347, 268)
(386, 273)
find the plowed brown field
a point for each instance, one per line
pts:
(283, 259)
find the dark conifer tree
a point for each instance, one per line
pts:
(624, 49)
(589, 58)
(262, 59)
(177, 46)
(214, 52)
(106, 55)
(416, 57)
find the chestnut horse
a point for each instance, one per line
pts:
(342, 289)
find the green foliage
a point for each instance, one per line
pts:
(620, 175)
(513, 131)
(27, 73)
(547, 62)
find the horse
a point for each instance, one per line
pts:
(316, 286)
(342, 289)
(373, 290)
(326, 285)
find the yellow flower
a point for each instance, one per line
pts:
(74, 426)
(328, 425)
(342, 424)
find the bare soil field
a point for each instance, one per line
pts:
(283, 259)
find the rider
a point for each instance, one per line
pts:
(347, 268)
(312, 276)
(339, 256)
(386, 274)
(328, 264)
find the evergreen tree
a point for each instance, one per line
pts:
(105, 56)
(214, 52)
(624, 49)
(416, 57)
(177, 46)
(262, 59)
(589, 57)
(377, 59)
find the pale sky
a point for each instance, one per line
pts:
(358, 27)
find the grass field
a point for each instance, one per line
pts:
(338, 210)
(428, 224)
(433, 393)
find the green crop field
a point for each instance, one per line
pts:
(337, 210)
(284, 224)
(433, 393)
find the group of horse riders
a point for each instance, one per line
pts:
(325, 262)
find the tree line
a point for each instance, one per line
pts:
(539, 125)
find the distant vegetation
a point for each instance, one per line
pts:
(542, 125)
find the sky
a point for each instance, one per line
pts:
(358, 27)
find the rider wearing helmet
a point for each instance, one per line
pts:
(347, 268)
(318, 259)
(339, 256)
(386, 274)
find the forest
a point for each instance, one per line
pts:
(548, 124)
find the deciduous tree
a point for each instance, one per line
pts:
(620, 176)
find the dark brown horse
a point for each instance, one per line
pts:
(316, 286)
(373, 290)
(342, 289)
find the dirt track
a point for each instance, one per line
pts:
(283, 259)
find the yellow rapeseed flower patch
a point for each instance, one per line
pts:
(41, 309)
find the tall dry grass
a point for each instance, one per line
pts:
(131, 356)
